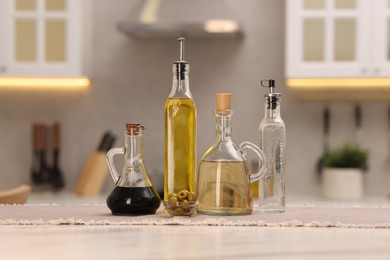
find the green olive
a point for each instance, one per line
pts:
(172, 201)
(192, 196)
(185, 204)
(172, 195)
(182, 195)
(177, 212)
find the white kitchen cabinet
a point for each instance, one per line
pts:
(338, 38)
(381, 38)
(43, 38)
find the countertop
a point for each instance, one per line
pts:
(185, 242)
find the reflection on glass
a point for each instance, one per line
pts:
(345, 4)
(55, 40)
(313, 4)
(313, 40)
(344, 39)
(25, 5)
(55, 5)
(25, 40)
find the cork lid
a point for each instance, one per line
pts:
(224, 103)
(134, 129)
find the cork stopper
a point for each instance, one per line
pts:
(224, 101)
(134, 129)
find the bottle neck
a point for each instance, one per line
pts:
(180, 82)
(224, 126)
(133, 172)
(133, 146)
(272, 106)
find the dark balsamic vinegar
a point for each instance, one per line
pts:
(133, 201)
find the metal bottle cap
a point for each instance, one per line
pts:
(272, 97)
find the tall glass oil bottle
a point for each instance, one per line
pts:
(180, 131)
(273, 143)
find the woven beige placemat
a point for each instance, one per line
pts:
(295, 216)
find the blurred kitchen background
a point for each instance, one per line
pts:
(131, 79)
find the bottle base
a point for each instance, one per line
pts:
(132, 214)
(272, 210)
(224, 212)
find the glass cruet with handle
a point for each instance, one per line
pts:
(134, 193)
(224, 181)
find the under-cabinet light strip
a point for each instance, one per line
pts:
(339, 83)
(45, 83)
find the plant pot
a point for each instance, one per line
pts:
(342, 183)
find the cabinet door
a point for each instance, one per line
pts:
(381, 38)
(40, 38)
(326, 38)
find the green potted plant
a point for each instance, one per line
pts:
(342, 176)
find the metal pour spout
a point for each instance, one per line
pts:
(181, 53)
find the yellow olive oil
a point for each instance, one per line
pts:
(180, 145)
(255, 189)
(223, 188)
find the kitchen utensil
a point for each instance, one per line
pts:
(55, 173)
(326, 129)
(358, 125)
(388, 134)
(39, 169)
(36, 175)
(96, 168)
(134, 193)
(359, 130)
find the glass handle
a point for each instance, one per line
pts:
(248, 145)
(110, 161)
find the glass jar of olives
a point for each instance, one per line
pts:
(182, 203)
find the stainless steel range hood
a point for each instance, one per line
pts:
(204, 19)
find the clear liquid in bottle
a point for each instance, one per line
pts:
(223, 188)
(224, 181)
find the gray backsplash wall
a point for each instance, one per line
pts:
(132, 79)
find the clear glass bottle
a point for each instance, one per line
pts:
(273, 143)
(180, 131)
(224, 183)
(134, 193)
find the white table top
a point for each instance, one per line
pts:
(184, 242)
(179, 242)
